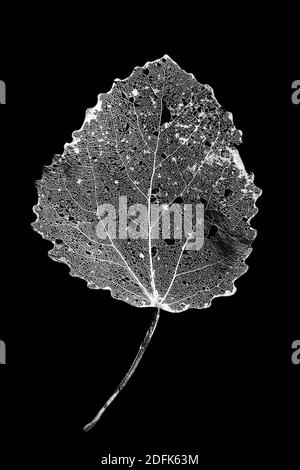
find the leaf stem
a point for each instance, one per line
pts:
(130, 372)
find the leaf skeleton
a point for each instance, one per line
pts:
(161, 139)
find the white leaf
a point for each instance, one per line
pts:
(151, 198)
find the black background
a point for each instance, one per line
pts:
(217, 382)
